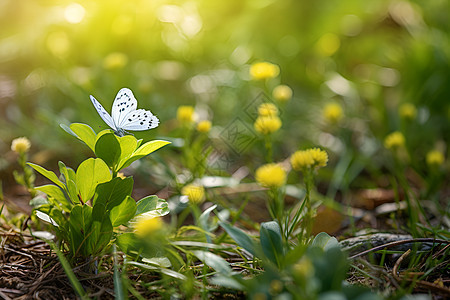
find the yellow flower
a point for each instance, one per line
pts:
(145, 226)
(319, 156)
(408, 111)
(301, 159)
(267, 124)
(282, 93)
(264, 70)
(115, 60)
(394, 140)
(204, 126)
(271, 175)
(20, 145)
(195, 193)
(332, 113)
(267, 109)
(310, 158)
(435, 158)
(185, 114)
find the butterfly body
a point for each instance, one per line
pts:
(125, 115)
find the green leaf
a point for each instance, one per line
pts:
(272, 242)
(203, 221)
(240, 237)
(214, 261)
(48, 174)
(56, 193)
(128, 145)
(90, 173)
(152, 206)
(144, 150)
(69, 178)
(128, 242)
(123, 212)
(110, 194)
(79, 225)
(107, 147)
(227, 281)
(85, 133)
(118, 285)
(100, 235)
(324, 241)
(164, 271)
(68, 130)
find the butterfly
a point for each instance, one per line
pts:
(125, 115)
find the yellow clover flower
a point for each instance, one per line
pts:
(282, 93)
(435, 158)
(320, 157)
(195, 193)
(264, 70)
(267, 109)
(408, 111)
(394, 140)
(185, 114)
(267, 124)
(332, 113)
(310, 158)
(146, 226)
(271, 175)
(204, 126)
(20, 145)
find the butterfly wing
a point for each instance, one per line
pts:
(126, 115)
(140, 119)
(103, 113)
(122, 106)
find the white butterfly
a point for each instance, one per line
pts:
(125, 115)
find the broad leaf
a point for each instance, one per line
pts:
(214, 261)
(90, 173)
(100, 235)
(110, 194)
(107, 147)
(128, 242)
(272, 242)
(85, 133)
(240, 237)
(48, 174)
(152, 206)
(123, 212)
(79, 225)
(128, 145)
(56, 193)
(144, 150)
(324, 241)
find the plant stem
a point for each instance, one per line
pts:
(269, 148)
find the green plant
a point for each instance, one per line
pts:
(85, 205)
(300, 272)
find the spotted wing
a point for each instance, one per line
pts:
(122, 106)
(139, 120)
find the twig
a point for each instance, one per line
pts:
(397, 264)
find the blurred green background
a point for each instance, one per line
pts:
(368, 56)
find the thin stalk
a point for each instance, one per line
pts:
(269, 148)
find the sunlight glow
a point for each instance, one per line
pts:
(74, 13)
